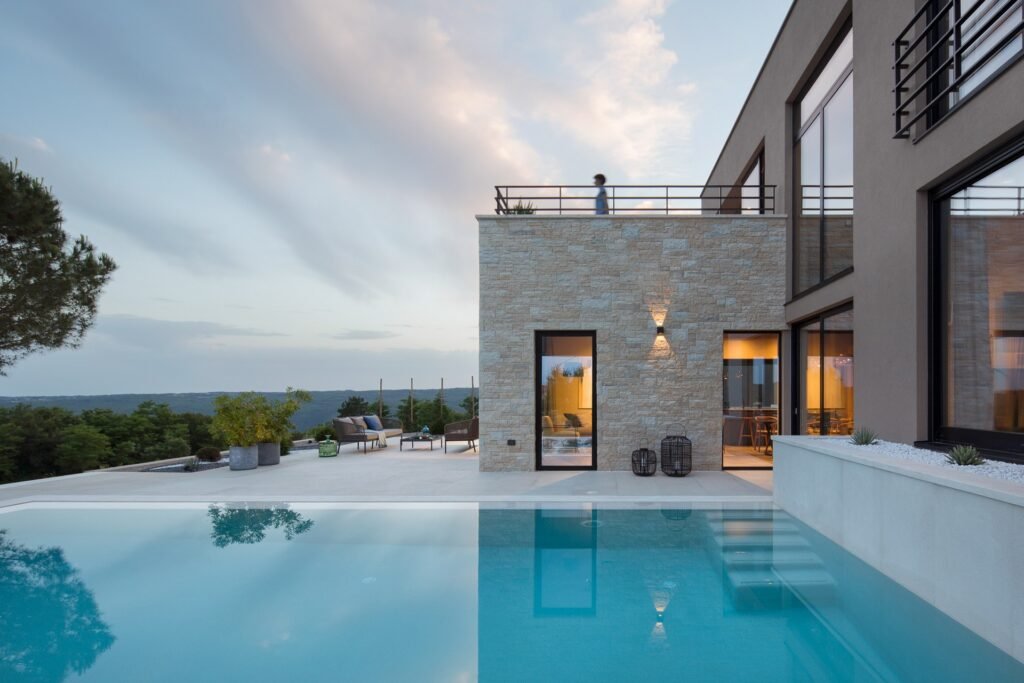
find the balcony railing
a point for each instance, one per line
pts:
(948, 51)
(636, 199)
(837, 199)
(988, 200)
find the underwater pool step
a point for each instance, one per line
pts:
(717, 515)
(761, 541)
(762, 587)
(753, 526)
(793, 558)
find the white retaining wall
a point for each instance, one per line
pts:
(955, 539)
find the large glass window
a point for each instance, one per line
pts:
(826, 375)
(982, 243)
(753, 188)
(566, 388)
(750, 398)
(824, 173)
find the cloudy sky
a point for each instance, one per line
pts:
(289, 188)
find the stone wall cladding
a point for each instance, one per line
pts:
(616, 274)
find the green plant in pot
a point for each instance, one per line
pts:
(276, 424)
(238, 420)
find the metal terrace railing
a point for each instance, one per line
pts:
(636, 199)
(947, 51)
(988, 200)
(837, 199)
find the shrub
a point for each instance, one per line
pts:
(320, 432)
(522, 209)
(964, 455)
(281, 412)
(240, 420)
(192, 464)
(208, 454)
(863, 437)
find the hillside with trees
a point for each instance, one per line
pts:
(51, 436)
(322, 406)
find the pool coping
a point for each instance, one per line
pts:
(695, 502)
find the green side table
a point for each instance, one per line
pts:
(329, 448)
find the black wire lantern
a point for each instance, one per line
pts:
(676, 455)
(645, 461)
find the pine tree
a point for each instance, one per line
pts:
(48, 288)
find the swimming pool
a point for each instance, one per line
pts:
(457, 593)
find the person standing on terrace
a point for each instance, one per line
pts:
(601, 200)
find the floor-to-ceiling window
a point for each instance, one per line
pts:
(825, 380)
(981, 320)
(750, 398)
(566, 392)
(823, 169)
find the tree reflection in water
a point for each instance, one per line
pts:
(247, 524)
(49, 622)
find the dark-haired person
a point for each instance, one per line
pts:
(601, 200)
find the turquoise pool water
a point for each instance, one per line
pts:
(457, 593)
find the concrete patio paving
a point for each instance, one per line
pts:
(390, 475)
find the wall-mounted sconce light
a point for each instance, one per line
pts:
(661, 330)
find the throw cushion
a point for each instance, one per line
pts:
(548, 424)
(573, 420)
(359, 422)
(347, 420)
(373, 422)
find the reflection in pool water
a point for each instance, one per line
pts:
(243, 523)
(50, 625)
(453, 593)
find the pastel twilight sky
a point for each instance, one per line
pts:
(289, 188)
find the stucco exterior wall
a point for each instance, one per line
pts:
(621, 276)
(892, 178)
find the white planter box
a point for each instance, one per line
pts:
(955, 539)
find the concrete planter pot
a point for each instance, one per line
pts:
(243, 457)
(269, 453)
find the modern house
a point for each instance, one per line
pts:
(855, 258)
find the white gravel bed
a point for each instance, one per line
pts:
(992, 468)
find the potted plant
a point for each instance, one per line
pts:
(236, 419)
(275, 424)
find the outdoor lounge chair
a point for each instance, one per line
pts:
(467, 430)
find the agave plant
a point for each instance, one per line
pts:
(863, 437)
(520, 208)
(964, 455)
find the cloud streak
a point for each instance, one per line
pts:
(363, 335)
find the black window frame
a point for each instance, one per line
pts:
(1002, 445)
(538, 422)
(818, 112)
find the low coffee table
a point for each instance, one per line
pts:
(418, 437)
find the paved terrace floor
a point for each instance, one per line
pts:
(389, 475)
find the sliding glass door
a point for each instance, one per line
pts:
(566, 412)
(980, 325)
(825, 362)
(750, 398)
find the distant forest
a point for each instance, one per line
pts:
(321, 409)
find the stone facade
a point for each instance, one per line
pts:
(621, 276)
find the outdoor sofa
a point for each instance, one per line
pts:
(356, 430)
